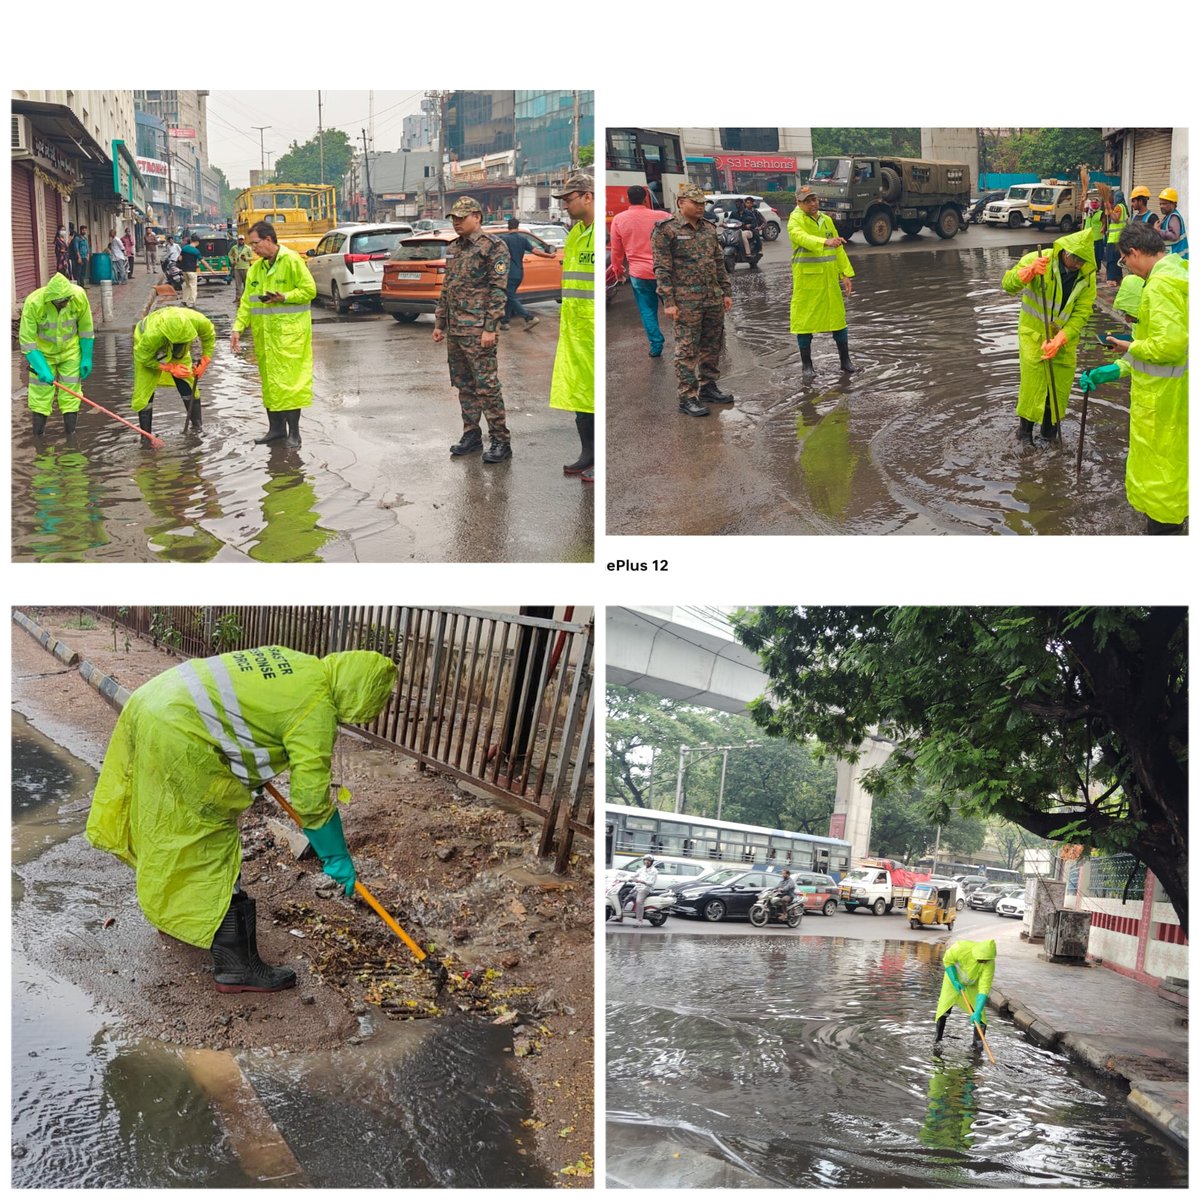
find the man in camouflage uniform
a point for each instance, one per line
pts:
(696, 294)
(469, 309)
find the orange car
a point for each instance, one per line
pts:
(413, 274)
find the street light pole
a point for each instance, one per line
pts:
(262, 152)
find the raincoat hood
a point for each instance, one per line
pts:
(174, 326)
(59, 288)
(360, 681)
(1079, 244)
(986, 951)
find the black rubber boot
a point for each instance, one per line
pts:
(585, 423)
(1025, 436)
(807, 369)
(236, 965)
(711, 394)
(292, 441)
(471, 442)
(848, 367)
(976, 1040)
(1050, 430)
(497, 452)
(277, 430)
(1160, 529)
(195, 415)
(146, 418)
(39, 424)
(693, 407)
(941, 1027)
(69, 421)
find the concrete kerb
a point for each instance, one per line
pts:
(106, 685)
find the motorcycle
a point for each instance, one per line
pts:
(618, 901)
(173, 274)
(763, 910)
(730, 233)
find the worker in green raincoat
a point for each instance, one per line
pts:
(162, 357)
(821, 274)
(277, 308)
(969, 968)
(1156, 364)
(572, 385)
(1058, 284)
(57, 338)
(189, 748)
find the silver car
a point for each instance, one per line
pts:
(347, 263)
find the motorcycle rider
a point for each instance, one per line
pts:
(746, 212)
(781, 897)
(643, 884)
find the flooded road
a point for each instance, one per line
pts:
(97, 1103)
(921, 441)
(373, 481)
(809, 1062)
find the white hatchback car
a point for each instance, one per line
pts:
(1012, 906)
(347, 263)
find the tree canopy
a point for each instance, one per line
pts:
(302, 164)
(1047, 152)
(904, 143)
(1069, 722)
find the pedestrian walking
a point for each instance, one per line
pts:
(116, 251)
(631, 256)
(62, 253)
(189, 264)
(240, 258)
(81, 253)
(969, 968)
(470, 307)
(1173, 231)
(1139, 206)
(57, 337)
(1156, 364)
(162, 357)
(572, 386)
(821, 275)
(694, 286)
(519, 244)
(277, 308)
(150, 242)
(130, 251)
(1058, 292)
(189, 748)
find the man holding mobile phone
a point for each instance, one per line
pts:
(277, 308)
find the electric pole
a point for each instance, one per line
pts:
(367, 172)
(262, 151)
(575, 132)
(441, 158)
(320, 137)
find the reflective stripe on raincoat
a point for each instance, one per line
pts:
(1067, 313)
(975, 963)
(153, 337)
(1117, 222)
(192, 743)
(57, 335)
(1156, 473)
(573, 383)
(282, 332)
(817, 304)
(1094, 224)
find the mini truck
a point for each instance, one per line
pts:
(879, 195)
(878, 884)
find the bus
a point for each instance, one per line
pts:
(302, 213)
(652, 158)
(648, 831)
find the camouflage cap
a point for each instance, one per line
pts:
(464, 206)
(692, 191)
(579, 181)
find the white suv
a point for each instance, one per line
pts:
(772, 221)
(347, 263)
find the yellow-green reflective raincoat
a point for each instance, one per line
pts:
(817, 304)
(1156, 472)
(57, 335)
(191, 744)
(153, 339)
(975, 963)
(1067, 313)
(573, 383)
(283, 331)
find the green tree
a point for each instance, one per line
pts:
(587, 154)
(1069, 722)
(907, 814)
(904, 143)
(302, 164)
(1048, 153)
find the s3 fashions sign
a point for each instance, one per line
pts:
(755, 162)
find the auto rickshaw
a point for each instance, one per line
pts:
(214, 259)
(933, 903)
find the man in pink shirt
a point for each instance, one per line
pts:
(629, 239)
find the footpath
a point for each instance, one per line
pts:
(1127, 1031)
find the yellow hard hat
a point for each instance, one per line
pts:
(1169, 194)
(1140, 191)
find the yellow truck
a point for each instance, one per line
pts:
(302, 213)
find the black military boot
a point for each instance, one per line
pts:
(710, 393)
(470, 442)
(1025, 436)
(236, 965)
(807, 369)
(848, 367)
(277, 430)
(498, 451)
(292, 441)
(69, 421)
(585, 424)
(39, 424)
(693, 407)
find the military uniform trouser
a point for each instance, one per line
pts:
(699, 340)
(473, 372)
(66, 370)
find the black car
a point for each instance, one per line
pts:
(726, 892)
(986, 897)
(974, 211)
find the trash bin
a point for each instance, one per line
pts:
(101, 267)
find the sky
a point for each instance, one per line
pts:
(233, 142)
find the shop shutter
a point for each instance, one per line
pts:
(25, 250)
(52, 207)
(1152, 162)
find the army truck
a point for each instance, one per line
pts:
(879, 195)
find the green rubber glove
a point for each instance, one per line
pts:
(86, 346)
(40, 367)
(1090, 380)
(954, 979)
(330, 844)
(980, 1001)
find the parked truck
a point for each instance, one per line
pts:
(880, 885)
(879, 195)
